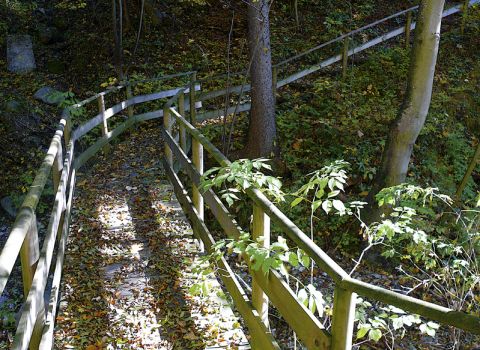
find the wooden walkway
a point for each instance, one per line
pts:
(128, 262)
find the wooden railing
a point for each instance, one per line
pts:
(37, 319)
(337, 50)
(272, 287)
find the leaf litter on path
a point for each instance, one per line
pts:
(128, 266)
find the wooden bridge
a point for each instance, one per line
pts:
(42, 267)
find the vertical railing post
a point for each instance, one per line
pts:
(345, 57)
(343, 319)
(167, 125)
(193, 111)
(29, 255)
(68, 126)
(197, 158)
(129, 96)
(408, 27)
(57, 167)
(101, 110)
(181, 110)
(260, 232)
(464, 15)
(104, 126)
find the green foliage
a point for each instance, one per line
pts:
(326, 184)
(239, 176)
(390, 321)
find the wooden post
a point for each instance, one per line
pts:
(129, 96)
(57, 168)
(464, 15)
(183, 134)
(29, 255)
(345, 57)
(68, 126)
(167, 125)
(408, 26)
(343, 319)
(101, 110)
(37, 333)
(193, 111)
(260, 229)
(197, 158)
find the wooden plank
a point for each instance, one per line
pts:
(343, 319)
(305, 324)
(257, 329)
(432, 311)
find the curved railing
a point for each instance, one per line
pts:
(37, 319)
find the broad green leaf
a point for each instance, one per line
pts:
(363, 330)
(375, 334)
(296, 201)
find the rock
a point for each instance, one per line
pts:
(20, 58)
(8, 206)
(49, 95)
(13, 106)
(56, 66)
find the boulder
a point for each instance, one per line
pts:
(13, 106)
(20, 58)
(49, 95)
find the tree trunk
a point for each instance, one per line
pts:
(405, 129)
(262, 128)
(117, 32)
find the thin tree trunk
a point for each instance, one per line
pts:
(406, 128)
(468, 173)
(262, 128)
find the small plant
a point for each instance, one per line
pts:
(241, 175)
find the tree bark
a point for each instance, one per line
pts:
(406, 128)
(262, 127)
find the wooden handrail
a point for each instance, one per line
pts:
(433, 311)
